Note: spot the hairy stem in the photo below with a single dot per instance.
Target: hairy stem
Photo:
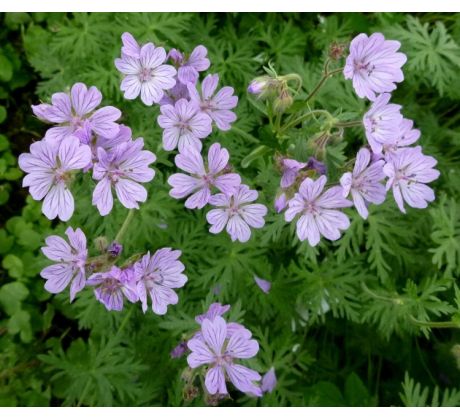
(326, 75)
(124, 226)
(347, 124)
(435, 324)
(304, 117)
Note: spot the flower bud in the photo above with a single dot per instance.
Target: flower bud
(115, 249)
(336, 50)
(316, 165)
(258, 85)
(179, 350)
(269, 381)
(101, 244)
(283, 102)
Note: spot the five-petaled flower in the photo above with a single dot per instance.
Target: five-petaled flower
(374, 65)
(71, 112)
(184, 125)
(236, 213)
(408, 171)
(217, 106)
(122, 168)
(318, 214)
(158, 275)
(71, 260)
(216, 349)
(188, 68)
(145, 74)
(201, 180)
(364, 182)
(49, 167)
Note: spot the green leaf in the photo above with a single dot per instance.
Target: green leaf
(4, 143)
(14, 265)
(11, 296)
(6, 70)
(2, 114)
(20, 323)
(356, 392)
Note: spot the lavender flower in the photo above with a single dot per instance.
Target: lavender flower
(115, 249)
(183, 124)
(72, 111)
(316, 165)
(259, 85)
(281, 202)
(264, 285)
(217, 106)
(122, 169)
(364, 183)
(71, 259)
(178, 91)
(49, 169)
(382, 122)
(374, 65)
(112, 286)
(179, 350)
(316, 207)
(406, 136)
(269, 381)
(145, 74)
(201, 181)
(189, 68)
(291, 169)
(157, 276)
(408, 171)
(235, 213)
(213, 349)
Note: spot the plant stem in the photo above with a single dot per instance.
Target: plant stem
(124, 226)
(434, 324)
(84, 392)
(347, 124)
(304, 117)
(247, 136)
(326, 75)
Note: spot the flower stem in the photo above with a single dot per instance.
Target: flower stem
(124, 226)
(434, 324)
(304, 117)
(347, 124)
(326, 75)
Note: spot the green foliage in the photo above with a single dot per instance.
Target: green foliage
(342, 322)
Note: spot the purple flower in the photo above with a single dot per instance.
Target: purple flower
(115, 249)
(157, 276)
(235, 213)
(146, 74)
(281, 202)
(183, 124)
(374, 65)
(112, 286)
(189, 68)
(382, 122)
(316, 165)
(269, 381)
(71, 259)
(364, 182)
(406, 136)
(201, 181)
(264, 285)
(49, 169)
(217, 106)
(130, 47)
(178, 91)
(123, 169)
(259, 85)
(214, 350)
(291, 169)
(179, 350)
(72, 111)
(408, 171)
(215, 309)
(316, 207)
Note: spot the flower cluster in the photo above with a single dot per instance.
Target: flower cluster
(219, 345)
(374, 65)
(87, 140)
(152, 275)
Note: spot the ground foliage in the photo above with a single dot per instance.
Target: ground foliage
(391, 282)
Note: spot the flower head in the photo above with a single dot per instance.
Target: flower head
(269, 381)
(215, 309)
(201, 180)
(218, 105)
(112, 285)
(189, 67)
(71, 259)
(406, 135)
(157, 276)
(317, 210)
(184, 124)
(123, 169)
(291, 169)
(364, 182)
(408, 171)
(382, 122)
(145, 74)
(49, 167)
(236, 213)
(71, 112)
(213, 348)
(374, 65)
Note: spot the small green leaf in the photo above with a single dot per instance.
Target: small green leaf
(6, 69)
(11, 296)
(4, 143)
(2, 112)
(20, 323)
(14, 265)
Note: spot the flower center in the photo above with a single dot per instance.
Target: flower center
(153, 278)
(145, 75)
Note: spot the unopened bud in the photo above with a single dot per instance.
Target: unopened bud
(316, 165)
(337, 50)
(258, 85)
(115, 249)
(101, 244)
(179, 350)
(190, 393)
(283, 102)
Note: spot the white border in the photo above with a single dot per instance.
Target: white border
(230, 5)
